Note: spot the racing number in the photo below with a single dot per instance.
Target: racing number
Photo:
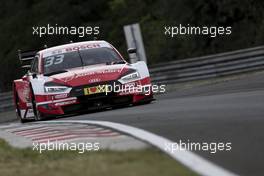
(54, 60)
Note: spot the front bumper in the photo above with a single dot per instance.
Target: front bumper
(77, 101)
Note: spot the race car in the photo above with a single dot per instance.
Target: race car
(78, 77)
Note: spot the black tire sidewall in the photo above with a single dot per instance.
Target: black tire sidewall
(18, 111)
(37, 114)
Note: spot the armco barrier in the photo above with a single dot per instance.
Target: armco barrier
(212, 66)
(6, 101)
(218, 65)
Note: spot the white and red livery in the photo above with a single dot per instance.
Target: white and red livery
(76, 77)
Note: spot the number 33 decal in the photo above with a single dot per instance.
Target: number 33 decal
(54, 60)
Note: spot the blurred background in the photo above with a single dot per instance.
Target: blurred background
(18, 17)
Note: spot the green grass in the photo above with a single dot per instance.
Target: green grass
(148, 162)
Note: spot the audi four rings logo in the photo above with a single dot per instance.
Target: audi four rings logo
(94, 80)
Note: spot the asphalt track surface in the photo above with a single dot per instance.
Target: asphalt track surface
(225, 112)
(232, 111)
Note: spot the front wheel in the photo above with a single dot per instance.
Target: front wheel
(37, 115)
(18, 110)
(148, 100)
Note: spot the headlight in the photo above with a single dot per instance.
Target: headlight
(130, 77)
(56, 88)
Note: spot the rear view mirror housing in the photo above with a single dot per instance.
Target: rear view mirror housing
(132, 50)
(26, 67)
(133, 55)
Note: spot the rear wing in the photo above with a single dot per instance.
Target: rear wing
(26, 57)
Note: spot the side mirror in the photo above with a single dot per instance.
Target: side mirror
(132, 50)
(26, 67)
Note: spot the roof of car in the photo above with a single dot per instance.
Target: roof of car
(74, 46)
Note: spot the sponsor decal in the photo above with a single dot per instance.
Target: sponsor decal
(96, 90)
(98, 72)
(65, 103)
(83, 47)
(75, 48)
(79, 75)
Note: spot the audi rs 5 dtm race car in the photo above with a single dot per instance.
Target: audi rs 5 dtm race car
(78, 77)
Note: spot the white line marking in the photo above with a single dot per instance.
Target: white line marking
(21, 127)
(30, 130)
(54, 137)
(11, 125)
(187, 158)
(41, 134)
(61, 138)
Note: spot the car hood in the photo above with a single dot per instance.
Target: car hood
(91, 74)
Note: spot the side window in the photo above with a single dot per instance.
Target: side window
(34, 65)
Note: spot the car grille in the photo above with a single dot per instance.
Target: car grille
(95, 101)
(79, 90)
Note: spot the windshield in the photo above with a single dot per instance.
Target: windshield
(79, 58)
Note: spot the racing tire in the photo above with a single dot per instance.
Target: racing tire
(37, 115)
(18, 111)
(145, 101)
